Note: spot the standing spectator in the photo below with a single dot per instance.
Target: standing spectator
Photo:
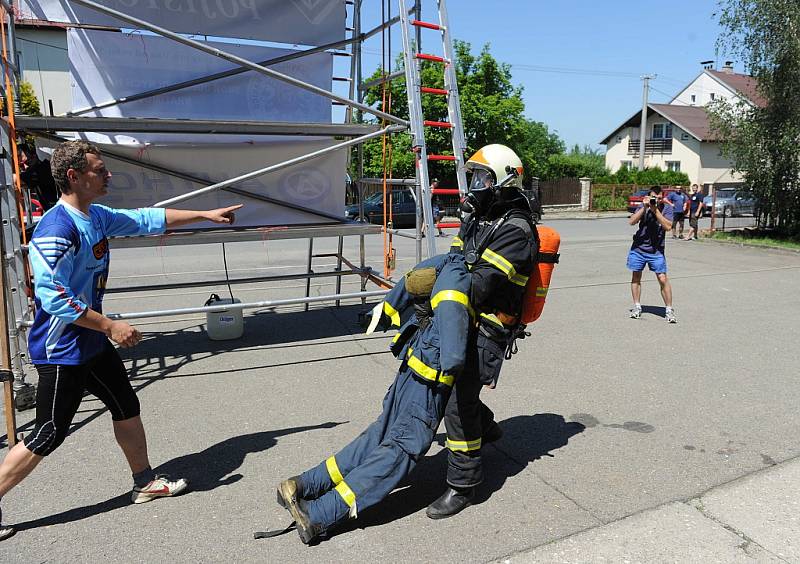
(679, 202)
(695, 211)
(38, 178)
(70, 340)
(654, 219)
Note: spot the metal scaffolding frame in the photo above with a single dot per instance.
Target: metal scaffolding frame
(329, 226)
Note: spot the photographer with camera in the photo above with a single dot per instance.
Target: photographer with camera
(654, 220)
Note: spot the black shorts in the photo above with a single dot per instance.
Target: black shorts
(60, 391)
(693, 219)
(678, 218)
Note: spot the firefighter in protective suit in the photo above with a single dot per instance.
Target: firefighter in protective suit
(499, 242)
(432, 346)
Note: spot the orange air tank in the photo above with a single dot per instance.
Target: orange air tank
(539, 282)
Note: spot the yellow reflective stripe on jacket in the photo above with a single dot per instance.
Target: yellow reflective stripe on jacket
(428, 372)
(396, 338)
(457, 242)
(452, 296)
(541, 292)
(500, 262)
(391, 312)
(347, 494)
(519, 279)
(492, 318)
(463, 446)
(333, 471)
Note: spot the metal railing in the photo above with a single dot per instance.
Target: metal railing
(651, 146)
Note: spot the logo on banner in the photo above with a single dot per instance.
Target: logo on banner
(316, 10)
(271, 99)
(305, 186)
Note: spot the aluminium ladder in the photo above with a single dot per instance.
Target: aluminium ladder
(414, 88)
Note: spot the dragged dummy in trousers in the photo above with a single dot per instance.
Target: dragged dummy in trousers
(432, 347)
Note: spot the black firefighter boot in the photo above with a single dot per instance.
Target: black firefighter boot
(453, 501)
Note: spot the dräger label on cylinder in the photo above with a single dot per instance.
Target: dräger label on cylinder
(226, 319)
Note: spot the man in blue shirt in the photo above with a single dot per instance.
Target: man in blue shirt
(695, 211)
(654, 219)
(678, 200)
(69, 341)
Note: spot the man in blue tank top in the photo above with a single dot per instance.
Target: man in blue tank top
(70, 341)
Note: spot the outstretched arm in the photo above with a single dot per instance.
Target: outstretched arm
(177, 218)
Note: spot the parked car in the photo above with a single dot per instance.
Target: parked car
(635, 199)
(731, 202)
(404, 209)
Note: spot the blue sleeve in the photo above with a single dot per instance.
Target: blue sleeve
(668, 212)
(452, 310)
(52, 257)
(142, 221)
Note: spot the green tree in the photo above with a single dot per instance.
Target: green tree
(492, 112)
(763, 140)
(28, 102)
(579, 162)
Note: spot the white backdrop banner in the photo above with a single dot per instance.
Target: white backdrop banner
(107, 66)
(317, 184)
(304, 22)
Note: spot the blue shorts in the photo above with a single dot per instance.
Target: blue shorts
(656, 261)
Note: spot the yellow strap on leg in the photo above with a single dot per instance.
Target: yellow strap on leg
(333, 471)
(347, 494)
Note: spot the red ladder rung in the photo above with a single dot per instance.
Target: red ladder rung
(448, 225)
(439, 91)
(429, 123)
(446, 191)
(428, 25)
(441, 157)
(434, 58)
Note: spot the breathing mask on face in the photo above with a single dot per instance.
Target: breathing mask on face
(481, 194)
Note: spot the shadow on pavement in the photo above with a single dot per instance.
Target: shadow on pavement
(658, 311)
(526, 438)
(205, 470)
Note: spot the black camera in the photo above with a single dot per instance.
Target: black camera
(653, 200)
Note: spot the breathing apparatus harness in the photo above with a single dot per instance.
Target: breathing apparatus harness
(473, 208)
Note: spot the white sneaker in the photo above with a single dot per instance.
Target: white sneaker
(670, 316)
(6, 531)
(636, 312)
(162, 486)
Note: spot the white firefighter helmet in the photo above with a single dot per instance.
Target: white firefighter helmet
(494, 158)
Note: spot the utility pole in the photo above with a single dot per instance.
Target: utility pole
(643, 127)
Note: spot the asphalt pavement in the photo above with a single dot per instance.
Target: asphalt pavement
(625, 440)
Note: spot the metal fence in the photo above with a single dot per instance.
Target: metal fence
(610, 197)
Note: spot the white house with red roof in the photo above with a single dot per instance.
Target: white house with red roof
(679, 135)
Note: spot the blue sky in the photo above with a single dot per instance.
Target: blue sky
(580, 61)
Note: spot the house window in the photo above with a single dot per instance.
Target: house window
(674, 166)
(662, 131)
(713, 96)
(694, 98)
(626, 164)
